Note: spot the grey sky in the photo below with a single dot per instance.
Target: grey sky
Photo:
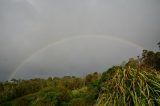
(40, 38)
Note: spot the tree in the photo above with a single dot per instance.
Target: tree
(1, 87)
(133, 63)
(158, 44)
(151, 59)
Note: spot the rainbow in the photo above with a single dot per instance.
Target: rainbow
(62, 41)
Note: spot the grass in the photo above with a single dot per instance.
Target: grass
(130, 87)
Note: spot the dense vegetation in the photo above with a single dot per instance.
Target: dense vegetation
(136, 83)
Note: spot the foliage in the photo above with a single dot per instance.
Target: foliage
(137, 83)
(130, 87)
(151, 59)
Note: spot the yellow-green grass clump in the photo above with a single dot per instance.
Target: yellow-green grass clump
(127, 86)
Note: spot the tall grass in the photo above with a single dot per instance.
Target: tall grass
(130, 87)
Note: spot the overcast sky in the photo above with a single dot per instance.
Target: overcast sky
(41, 38)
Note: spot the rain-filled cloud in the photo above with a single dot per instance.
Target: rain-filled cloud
(39, 38)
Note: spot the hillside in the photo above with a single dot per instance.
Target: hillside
(136, 83)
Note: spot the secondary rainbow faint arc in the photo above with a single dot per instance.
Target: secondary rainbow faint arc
(69, 39)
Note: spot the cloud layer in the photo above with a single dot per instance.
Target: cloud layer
(29, 25)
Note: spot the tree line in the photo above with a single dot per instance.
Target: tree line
(137, 82)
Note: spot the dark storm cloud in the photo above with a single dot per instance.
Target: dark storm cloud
(26, 26)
